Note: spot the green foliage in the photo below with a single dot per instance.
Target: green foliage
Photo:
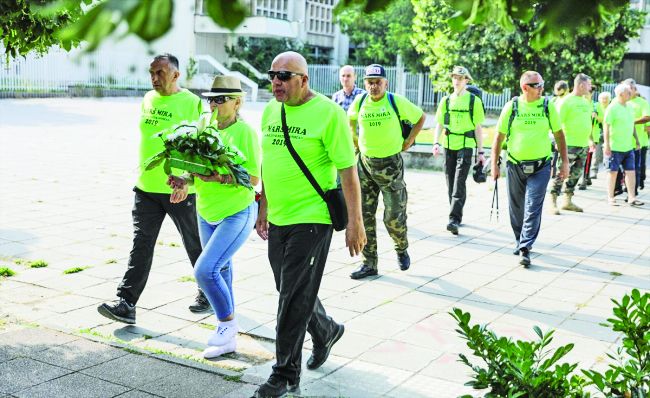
(7, 272)
(259, 52)
(38, 264)
(497, 55)
(629, 375)
(30, 25)
(381, 36)
(518, 368)
(187, 278)
(74, 270)
(192, 69)
(198, 148)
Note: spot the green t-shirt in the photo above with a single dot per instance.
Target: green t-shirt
(575, 116)
(620, 119)
(380, 134)
(556, 101)
(158, 113)
(216, 201)
(459, 120)
(320, 133)
(529, 137)
(641, 109)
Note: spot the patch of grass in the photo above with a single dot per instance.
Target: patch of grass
(187, 278)
(113, 235)
(614, 273)
(174, 244)
(74, 270)
(111, 261)
(236, 379)
(6, 271)
(160, 242)
(207, 326)
(147, 337)
(38, 264)
(20, 261)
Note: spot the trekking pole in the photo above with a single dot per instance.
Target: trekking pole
(495, 200)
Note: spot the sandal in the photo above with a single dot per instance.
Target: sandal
(612, 202)
(636, 202)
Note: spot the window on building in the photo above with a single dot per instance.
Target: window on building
(278, 9)
(319, 17)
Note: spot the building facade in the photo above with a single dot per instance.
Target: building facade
(636, 63)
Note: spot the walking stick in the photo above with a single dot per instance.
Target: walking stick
(587, 165)
(495, 200)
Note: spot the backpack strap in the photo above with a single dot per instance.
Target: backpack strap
(363, 98)
(447, 119)
(472, 99)
(391, 100)
(513, 115)
(547, 114)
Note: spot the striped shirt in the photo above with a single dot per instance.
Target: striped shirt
(345, 100)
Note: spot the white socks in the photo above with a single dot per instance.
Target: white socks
(224, 334)
(217, 351)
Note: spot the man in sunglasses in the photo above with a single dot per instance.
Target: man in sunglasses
(164, 106)
(575, 116)
(379, 115)
(294, 217)
(524, 124)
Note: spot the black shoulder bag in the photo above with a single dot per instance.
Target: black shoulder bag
(333, 198)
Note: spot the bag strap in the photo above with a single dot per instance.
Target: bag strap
(547, 114)
(513, 115)
(296, 157)
(472, 99)
(363, 98)
(391, 100)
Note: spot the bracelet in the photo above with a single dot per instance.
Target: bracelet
(481, 152)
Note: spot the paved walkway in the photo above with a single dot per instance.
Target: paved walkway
(68, 166)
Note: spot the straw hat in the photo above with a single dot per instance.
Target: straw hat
(225, 85)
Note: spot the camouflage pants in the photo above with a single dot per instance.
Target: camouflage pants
(385, 176)
(577, 156)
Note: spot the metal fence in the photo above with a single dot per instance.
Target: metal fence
(70, 72)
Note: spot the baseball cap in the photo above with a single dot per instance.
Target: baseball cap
(461, 71)
(374, 71)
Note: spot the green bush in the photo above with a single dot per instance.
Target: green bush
(38, 264)
(5, 271)
(74, 270)
(518, 369)
(629, 375)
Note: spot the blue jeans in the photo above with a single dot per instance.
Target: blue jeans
(213, 269)
(526, 197)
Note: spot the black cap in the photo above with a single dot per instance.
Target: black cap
(374, 71)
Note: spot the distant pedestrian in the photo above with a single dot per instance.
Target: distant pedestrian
(620, 142)
(346, 95)
(459, 116)
(226, 212)
(163, 107)
(575, 117)
(604, 99)
(524, 125)
(378, 116)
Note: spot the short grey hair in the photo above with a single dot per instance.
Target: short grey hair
(603, 95)
(621, 88)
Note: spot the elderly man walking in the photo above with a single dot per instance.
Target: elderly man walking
(163, 107)
(524, 124)
(380, 115)
(619, 143)
(294, 217)
(346, 95)
(575, 117)
(459, 115)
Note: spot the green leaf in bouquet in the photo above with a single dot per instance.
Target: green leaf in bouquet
(154, 161)
(167, 167)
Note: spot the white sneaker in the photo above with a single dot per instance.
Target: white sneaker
(217, 351)
(225, 332)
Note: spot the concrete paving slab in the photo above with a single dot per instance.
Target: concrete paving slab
(74, 385)
(21, 373)
(131, 370)
(189, 383)
(80, 354)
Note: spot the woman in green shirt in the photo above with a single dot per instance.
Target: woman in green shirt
(226, 213)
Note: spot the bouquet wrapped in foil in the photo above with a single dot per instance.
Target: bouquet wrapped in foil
(198, 148)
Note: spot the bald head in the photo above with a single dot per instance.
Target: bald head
(290, 61)
(347, 76)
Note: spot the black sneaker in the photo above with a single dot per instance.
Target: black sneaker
(453, 227)
(201, 304)
(582, 187)
(276, 386)
(363, 271)
(319, 354)
(120, 311)
(404, 261)
(525, 257)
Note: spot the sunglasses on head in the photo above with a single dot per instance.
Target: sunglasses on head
(535, 85)
(220, 99)
(283, 75)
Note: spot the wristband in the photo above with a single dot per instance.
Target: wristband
(481, 152)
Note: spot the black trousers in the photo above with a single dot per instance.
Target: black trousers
(149, 211)
(644, 157)
(297, 254)
(457, 165)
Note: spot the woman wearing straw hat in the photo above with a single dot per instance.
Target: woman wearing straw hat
(226, 213)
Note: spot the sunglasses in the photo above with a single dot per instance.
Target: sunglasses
(283, 75)
(535, 85)
(220, 99)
